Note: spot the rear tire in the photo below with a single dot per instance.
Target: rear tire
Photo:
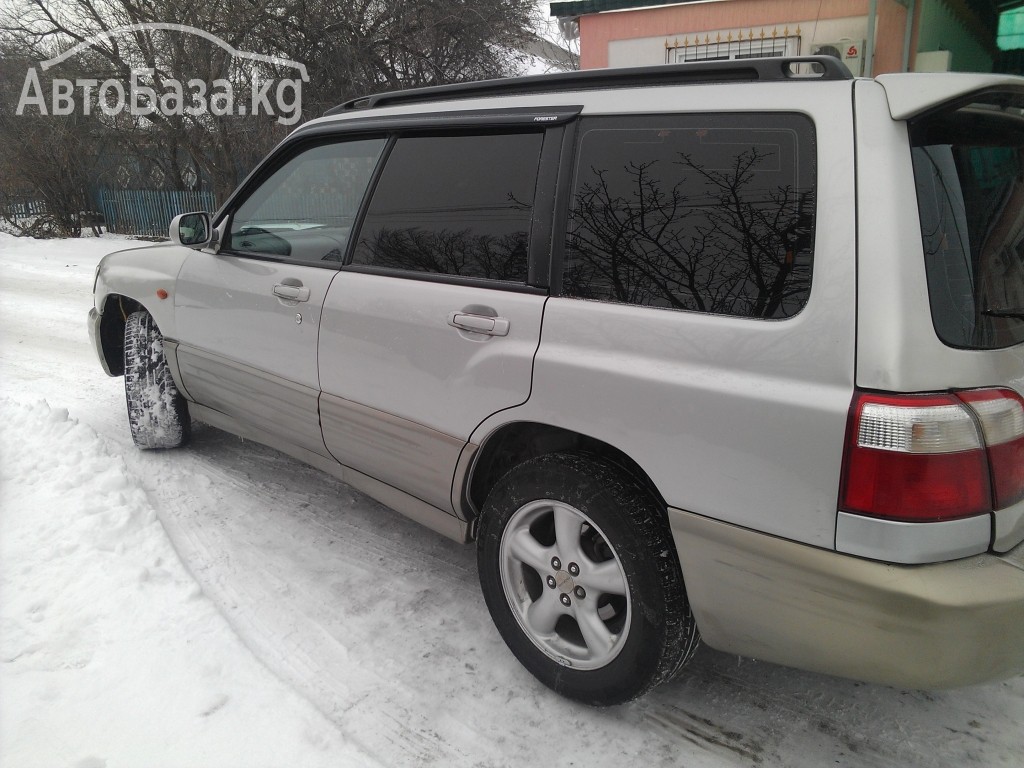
(582, 580)
(157, 413)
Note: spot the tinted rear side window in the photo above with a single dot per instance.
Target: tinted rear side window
(707, 213)
(454, 205)
(969, 169)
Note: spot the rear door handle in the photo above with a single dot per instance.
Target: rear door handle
(291, 292)
(492, 326)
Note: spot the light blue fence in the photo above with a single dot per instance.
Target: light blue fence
(149, 211)
(25, 208)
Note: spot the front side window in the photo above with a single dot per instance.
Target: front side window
(305, 210)
(456, 205)
(706, 213)
(969, 169)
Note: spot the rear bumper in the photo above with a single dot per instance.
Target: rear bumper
(919, 626)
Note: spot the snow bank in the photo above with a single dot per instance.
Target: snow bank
(110, 655)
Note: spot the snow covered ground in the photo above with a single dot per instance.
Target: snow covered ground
(226, 606)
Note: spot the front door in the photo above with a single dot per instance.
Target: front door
(248, 317)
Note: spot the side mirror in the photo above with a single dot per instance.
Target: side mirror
(191, 230)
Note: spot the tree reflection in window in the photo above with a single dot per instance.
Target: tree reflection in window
(451, 252)
(458, 205)
(694, 220)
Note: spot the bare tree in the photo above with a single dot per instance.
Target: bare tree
(216, 145)
(366, 46)
(348, 49)
(45, 160)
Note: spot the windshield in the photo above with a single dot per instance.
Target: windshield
(969, 169)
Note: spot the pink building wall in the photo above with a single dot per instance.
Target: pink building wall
(599, 29)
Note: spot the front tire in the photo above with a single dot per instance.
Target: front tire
(582, 580)
(157, 412)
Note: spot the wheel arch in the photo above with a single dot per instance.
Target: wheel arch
(519, 441)
(114, 314)
(129, 280)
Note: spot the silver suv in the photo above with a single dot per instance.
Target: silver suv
(730, 351)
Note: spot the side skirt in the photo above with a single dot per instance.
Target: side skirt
(425, 514)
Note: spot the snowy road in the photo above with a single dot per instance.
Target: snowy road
(325, 629)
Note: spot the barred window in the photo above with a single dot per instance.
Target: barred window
(725, 46)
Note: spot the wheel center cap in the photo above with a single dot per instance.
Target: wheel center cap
(564, 582)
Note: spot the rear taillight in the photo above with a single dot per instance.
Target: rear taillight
(1001, 415)
(933, 457)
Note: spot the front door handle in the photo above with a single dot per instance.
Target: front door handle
(492, 326)
(291, 292)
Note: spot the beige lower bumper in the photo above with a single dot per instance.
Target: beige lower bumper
(923, 626)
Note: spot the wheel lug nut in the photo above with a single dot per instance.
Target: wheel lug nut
(556, 563)
(566, 601)
(580, 593)
(574, 570)
(551, 581)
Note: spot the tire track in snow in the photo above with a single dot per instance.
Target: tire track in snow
(249, 556)
(773, 715)
(109, 651)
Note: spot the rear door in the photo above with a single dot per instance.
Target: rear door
(434, 324)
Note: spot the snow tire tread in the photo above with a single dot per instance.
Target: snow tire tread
(157, 413)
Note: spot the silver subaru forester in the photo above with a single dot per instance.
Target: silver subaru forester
(729, 351)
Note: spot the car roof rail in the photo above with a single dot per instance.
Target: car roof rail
(737, 70)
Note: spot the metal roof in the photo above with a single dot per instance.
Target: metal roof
(583, 7)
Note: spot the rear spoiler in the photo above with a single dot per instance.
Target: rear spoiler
(914, 94)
